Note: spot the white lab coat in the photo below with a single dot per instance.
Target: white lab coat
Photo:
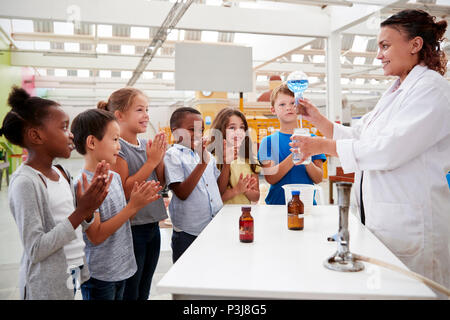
(403, 147)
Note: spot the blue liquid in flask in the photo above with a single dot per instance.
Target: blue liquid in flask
(297, 82)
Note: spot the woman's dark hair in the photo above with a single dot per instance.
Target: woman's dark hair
(91, 122)
(220, 123)
(26, 111)
(179, 114)
(418, 23)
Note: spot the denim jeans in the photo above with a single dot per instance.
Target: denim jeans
(180, 242)
(147, 245)
(95, 289)
(75, 273)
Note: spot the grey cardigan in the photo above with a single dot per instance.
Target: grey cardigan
(43, 268)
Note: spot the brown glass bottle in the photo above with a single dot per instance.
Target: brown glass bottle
(295, 212)
(246, 225)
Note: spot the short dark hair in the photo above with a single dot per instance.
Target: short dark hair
(26, 111)
(92, 122)
(179, 114)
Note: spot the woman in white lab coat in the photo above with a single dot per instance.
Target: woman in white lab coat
(400, 151)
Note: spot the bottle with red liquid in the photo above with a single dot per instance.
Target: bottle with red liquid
(246, 225)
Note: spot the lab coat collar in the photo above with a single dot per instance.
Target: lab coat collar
(412, 77)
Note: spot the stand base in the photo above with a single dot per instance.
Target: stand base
(337, 264)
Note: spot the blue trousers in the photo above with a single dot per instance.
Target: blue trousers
(147, 245)
(95, 289)
(180, 242)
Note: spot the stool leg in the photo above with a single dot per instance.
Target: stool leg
(331, 192)
(1, 178)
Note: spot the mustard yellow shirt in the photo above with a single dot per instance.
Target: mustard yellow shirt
(237, 167)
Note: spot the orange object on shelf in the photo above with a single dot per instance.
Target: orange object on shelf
(340, 177)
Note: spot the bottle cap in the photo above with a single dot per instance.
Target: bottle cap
(246, 208)
(295, 193)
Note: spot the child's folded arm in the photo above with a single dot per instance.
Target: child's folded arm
(121, 167)
(274, 173)
(184, 189)
(315, 171)
(100, 231)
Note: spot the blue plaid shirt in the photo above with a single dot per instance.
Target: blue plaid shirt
(193, 214)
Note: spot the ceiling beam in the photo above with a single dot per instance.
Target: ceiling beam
(65, 60)
(293, 22)
(343, 18)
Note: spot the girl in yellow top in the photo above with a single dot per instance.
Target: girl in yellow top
(231, 126)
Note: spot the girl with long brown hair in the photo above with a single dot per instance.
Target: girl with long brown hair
(231, 126)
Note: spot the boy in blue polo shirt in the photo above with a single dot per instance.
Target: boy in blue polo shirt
(192, 175)
(274, 151)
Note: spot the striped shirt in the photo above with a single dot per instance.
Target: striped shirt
(113, 259)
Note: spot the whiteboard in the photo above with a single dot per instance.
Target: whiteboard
(213, 67)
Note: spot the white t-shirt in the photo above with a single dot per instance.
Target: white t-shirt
(61, 206)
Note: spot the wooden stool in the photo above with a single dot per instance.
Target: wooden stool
(340, 176)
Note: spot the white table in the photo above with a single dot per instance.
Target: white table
(282, 263)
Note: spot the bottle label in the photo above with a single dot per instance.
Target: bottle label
(246, 231)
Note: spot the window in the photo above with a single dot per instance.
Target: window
(42, 45)
(83, 73)
(359, 60)
(19, 25)
(72, 46)
(126, 74)
(210, 36)
(63, 28)
(60, 73)
(104, 74)
(102, 48)
(139, 32)
(104, 30)
(127, 49)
